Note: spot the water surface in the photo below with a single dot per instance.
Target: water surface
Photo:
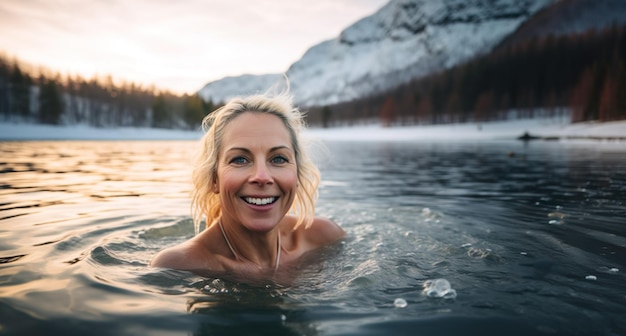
(530, 237)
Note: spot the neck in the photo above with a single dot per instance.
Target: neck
(261, 249)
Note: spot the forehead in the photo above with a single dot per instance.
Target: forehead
(255, 128)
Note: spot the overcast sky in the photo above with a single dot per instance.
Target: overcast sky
(176, 45)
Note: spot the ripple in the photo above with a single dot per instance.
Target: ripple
(6, 260)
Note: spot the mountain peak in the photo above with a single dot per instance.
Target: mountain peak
(404, 40)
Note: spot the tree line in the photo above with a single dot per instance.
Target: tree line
(45, 97)
(580, 74)
(583, 75)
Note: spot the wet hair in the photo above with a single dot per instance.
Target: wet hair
(205, 202)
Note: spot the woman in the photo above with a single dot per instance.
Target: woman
(250, 173)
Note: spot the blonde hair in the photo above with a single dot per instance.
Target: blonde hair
(205, 202)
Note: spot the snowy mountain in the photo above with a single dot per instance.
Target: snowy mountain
(404, 40)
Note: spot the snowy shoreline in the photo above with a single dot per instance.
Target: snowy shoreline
(547, 129)
(541, 129)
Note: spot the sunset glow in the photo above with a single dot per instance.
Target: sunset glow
(178, 46)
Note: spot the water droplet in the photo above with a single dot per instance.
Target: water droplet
(400, 303)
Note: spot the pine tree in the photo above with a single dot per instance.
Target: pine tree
(193, 111)
(20, 83)
(160, 113)
(51, 104)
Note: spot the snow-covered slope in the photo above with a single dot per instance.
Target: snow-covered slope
(405, 39)
(228, 87)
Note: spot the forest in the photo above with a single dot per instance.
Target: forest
(582, 75)
(41, 96)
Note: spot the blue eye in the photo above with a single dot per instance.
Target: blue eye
(279, 160)
(239, 160)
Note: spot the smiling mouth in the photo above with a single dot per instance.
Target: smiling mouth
(260, 200)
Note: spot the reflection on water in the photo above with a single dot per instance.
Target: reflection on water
(530, 238)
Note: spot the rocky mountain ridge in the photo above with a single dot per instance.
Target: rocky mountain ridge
(408, 39)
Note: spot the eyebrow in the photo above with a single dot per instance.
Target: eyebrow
(243, 149)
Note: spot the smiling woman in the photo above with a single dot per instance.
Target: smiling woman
(250, 173)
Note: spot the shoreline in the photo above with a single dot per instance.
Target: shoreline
(546, 129)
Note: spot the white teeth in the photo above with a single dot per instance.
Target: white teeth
(260, 201)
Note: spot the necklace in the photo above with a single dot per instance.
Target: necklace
(230, 246)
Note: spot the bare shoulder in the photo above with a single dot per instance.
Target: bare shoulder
(324, 231)
(186, 256)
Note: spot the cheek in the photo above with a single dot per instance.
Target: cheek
(228, 180)
(290, 179)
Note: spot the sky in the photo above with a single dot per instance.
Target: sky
(174, 45)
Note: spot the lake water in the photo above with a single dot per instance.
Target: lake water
(530, 237)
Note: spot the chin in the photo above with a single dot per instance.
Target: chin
(261, 225)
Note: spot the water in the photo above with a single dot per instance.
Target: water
(444, 239)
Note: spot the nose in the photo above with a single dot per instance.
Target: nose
(261, 174)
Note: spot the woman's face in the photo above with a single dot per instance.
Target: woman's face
(257, 173)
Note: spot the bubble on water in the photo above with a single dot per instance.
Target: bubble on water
(524, 253)
(283, 317)
(591, 277)
(426, 212)
(439, 288)
(605, 269)
(400, 303)
(216, 286)
(466, 245)
(556, 214)
(408, 233)
(554, 222)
